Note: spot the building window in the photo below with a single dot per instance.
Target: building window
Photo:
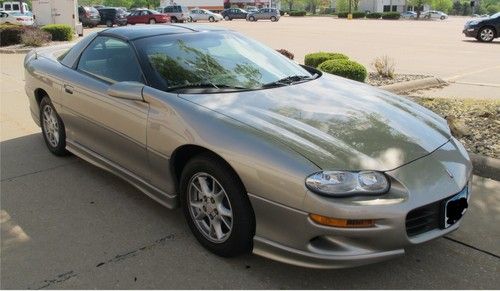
(387, 8)
(394, 8)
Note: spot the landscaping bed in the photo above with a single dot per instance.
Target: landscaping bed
(375, 79)
(476, 123)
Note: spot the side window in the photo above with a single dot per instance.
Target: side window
(8, 7)
(111, 60)
(15, 7)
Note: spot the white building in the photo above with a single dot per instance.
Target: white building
(383, 6)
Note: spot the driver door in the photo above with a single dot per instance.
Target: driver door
(104, 126)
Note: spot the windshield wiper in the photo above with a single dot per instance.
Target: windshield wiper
(204, 85)
(290, 80)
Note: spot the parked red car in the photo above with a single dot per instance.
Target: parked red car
(147, 16)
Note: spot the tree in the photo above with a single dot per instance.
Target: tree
(90, 2)
(419, 4)
(442, 5)
(342, 6)
(118, 3)
(290, 3)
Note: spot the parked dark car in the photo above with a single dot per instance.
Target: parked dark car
(234, 13)
(483, 29)
(111, 16)
(177, 13)
(147, 16)
(89, 16)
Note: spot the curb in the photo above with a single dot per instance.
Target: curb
(485, 166)
(414, 85)
(15, 51)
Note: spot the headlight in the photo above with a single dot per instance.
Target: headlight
(473, 22)
(344, 183)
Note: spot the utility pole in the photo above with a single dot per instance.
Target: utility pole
(349, 15)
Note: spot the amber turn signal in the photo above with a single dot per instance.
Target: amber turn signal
(344, 223)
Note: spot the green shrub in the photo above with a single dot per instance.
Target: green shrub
(62, 32)
(297, 13)
(314, 59)
(374, 15)
(391, 15)
(358, 15)
(342, 14)
(35, 37)
(344, 68)
(327, 10)
(10, 34)
(282, 12)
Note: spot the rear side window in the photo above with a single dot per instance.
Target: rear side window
(111, 60)
(8, 7)
(70, 57)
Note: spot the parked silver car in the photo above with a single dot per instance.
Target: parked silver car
(272, 14)
(262, 154)
(204, 14)
(432, 14)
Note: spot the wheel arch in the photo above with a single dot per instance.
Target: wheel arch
(184, 153)
(39, 94)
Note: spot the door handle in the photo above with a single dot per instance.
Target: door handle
(68, 89)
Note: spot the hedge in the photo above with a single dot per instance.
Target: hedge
(391, 15)
(314, 59)
(344, 68)
(355, 14)
(374, 15)
(297, 13)
(10, 34)
(62, 32)
(282, 12)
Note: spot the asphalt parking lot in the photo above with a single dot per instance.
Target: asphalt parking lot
(67, 224)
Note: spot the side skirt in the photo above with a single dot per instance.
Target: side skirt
(165, 199)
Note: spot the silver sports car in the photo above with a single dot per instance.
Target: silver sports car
(262, 154)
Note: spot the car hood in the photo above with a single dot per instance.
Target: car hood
(336, 123)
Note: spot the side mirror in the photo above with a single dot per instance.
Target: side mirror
(127, 90)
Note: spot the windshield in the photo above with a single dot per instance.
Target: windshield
(222, 59)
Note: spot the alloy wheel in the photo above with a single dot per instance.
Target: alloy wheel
(486, 34)
(210, 208)
(50, 126)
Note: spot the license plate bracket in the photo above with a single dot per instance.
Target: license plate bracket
(453, 208)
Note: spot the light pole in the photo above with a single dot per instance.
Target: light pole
(349, 15)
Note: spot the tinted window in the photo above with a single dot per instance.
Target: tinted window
(8, 7)
(111, 60)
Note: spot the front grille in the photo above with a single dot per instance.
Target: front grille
(423, 219)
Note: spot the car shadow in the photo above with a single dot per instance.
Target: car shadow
(495, 41)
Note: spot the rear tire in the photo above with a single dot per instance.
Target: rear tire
(251, 18)
(53, 130)
(211, 19)
(219, 212)
(274, 19)
(109, 23)
(173, 20)
(227, 18)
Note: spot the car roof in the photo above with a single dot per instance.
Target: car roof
(142, 31)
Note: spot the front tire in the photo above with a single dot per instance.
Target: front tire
(274, 19)
(486, 34)
(251, 18)
(227, 18)
(211, 19)
(54, 132)
(217, 207)
(152, 21)
(109, 23)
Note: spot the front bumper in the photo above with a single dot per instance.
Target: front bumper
(289, 235)
(470, 31)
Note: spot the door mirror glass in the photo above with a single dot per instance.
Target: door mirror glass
(126, 90)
